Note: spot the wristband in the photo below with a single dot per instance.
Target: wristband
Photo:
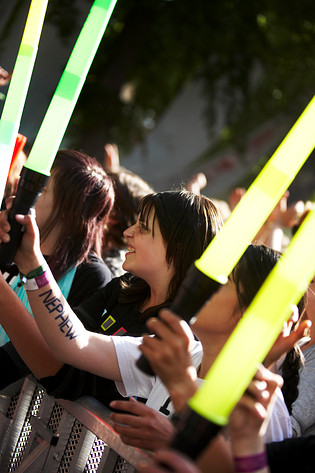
(38, 282)
(250, 463)
(35, 272)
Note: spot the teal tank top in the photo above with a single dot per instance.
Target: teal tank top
(64, 284)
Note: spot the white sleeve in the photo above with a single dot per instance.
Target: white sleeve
(134, 381)
(279, 426)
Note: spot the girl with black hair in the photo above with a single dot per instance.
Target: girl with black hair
(172, 231)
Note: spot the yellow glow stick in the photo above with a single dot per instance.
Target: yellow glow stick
(260, 199)
(20, 80)
(252, 338)
(216, 263)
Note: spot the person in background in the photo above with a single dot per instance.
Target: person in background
(129, 190)
(71, 213)
(174, 357)
(303, 408)
(274, 232)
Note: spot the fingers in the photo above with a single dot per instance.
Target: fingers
(169, 325)
(132, 406)
(294, 337)
(5, 227)
(133, 414)
(260, 390)
(29, 223)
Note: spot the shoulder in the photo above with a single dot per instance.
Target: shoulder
(90, 276)
(94, 266)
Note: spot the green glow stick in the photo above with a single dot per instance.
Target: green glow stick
(36, 171)
(260, 199)
(249, 343)
(20, 80)
(63, 102)
(258, 329)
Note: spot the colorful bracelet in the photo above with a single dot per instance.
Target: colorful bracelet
(35, 272)
(251, 463)
(38, 282)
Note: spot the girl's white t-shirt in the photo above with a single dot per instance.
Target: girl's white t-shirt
(137, 384)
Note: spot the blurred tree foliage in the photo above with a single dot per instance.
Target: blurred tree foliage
(256, 58)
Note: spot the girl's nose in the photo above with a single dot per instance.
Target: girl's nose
(129, 232)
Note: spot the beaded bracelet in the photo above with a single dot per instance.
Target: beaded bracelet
(251, 463)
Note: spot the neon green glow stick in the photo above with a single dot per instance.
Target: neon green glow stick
(63, 102)
(15, 99)
(260, 199)
(258, 329)
(36, 171)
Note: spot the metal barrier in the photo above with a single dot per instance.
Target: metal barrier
(41, 434)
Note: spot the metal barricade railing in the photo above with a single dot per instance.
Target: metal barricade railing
(41, 434)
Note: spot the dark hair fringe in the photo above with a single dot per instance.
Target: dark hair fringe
(188, 222)
(83, 198)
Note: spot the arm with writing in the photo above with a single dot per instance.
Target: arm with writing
(68, 340)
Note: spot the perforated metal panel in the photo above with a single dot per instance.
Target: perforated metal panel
(59, 436)
(17, 455)
(95, 456)
(72, 444)
(12, 405)
(55, 417)
(121, 466)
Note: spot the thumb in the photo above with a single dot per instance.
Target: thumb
(29, 223)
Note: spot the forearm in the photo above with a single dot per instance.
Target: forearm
(250, 450)
(56, 320)
(181, 393)
(24, 334)
(66, 335)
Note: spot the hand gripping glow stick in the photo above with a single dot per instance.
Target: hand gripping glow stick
(249, 343)
(216, 263)
(35, 172)
(20, 80)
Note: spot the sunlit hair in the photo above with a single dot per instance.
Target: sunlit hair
(187, 222)
(252, 270)
(83, 197)
(129, 190)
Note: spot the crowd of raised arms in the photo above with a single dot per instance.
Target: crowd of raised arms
(100, 262)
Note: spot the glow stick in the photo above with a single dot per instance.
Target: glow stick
(36, 170)
(17, 91)
(216, 263)
(66, 95)
(252, 338)
(260, 199)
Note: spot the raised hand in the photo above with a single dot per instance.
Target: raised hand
(169, 356)
(141, 426)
